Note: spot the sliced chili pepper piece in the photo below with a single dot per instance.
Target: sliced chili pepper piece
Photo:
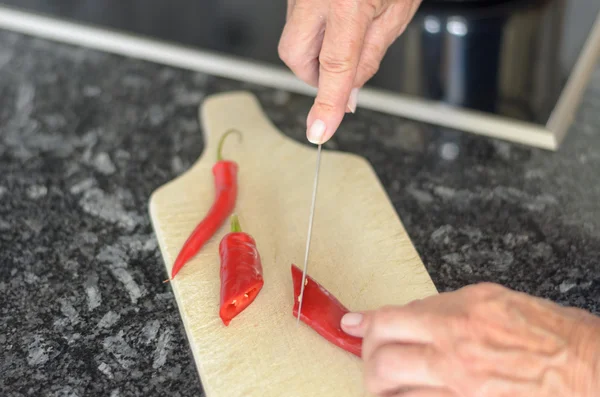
(241, 272)
(323, 312)
(225, 179)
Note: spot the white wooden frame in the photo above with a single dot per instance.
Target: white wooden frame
(548, 136)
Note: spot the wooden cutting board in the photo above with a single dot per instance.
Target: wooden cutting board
(360, 252)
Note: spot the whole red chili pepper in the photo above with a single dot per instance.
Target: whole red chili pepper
(241, 272)
(225, 179)
(323, 313)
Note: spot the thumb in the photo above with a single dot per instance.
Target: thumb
(356, 324)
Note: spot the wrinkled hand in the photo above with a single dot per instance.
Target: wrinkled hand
(336, 46)
(480, 341)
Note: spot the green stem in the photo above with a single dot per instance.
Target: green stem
(235, 224)
(222, 141)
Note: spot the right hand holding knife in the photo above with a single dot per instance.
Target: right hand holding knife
(337, 46)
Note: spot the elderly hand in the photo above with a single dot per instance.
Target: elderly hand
(480, 341)
(337, 45)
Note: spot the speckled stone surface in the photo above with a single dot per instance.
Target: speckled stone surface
(85, 137)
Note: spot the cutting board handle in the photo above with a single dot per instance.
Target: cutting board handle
(242, 111)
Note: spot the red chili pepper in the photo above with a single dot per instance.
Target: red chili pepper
(241, 272)
(225, 179)
(323, 313)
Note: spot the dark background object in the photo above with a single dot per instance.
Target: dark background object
(505, 57)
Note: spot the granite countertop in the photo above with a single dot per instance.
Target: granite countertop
(85, 137)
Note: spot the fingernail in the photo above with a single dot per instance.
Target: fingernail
(352, 319)
(353, 100)
(316, 131)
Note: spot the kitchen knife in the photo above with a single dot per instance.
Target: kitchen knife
(310, 223)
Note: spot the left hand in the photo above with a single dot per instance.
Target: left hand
(480, 341)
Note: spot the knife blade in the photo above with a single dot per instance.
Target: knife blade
(309, 234)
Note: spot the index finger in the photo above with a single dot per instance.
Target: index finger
(410, 323)
(396, 325)
(345, 31)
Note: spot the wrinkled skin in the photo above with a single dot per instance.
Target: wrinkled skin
(337, 46)
(480, 341)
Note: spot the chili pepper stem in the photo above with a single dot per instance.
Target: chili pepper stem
(235, 224)
(222, 141)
